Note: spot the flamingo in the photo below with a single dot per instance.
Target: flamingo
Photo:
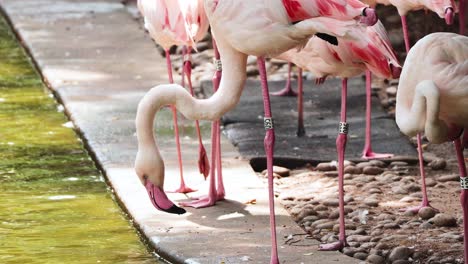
(178, 23)
(370, 52)
(432, 97)
(242, 28)
(443, 8)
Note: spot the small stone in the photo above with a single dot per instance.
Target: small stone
(283, 172)
(427, 212)
(385, 216)
(306, 212)
(399, 164)
(392, 90)
(438, 164)
(375, 190)
(368, 245)
(360, 255)
(446, 178)
(320, 207)
(430, 182)
(349, 251)
(252, 70)
(412, 187)
(399, 190)
(331, 202)
(443, 220)
(370, 201)
(400, 253)
(359, 238)
(426, 225)
(391, 226)
(371, 170)
(325, 166)
(382, 245)
(352, 169)
(358, 231)
(401, 261)
(327, 225)
(375, 259)
(331, 174)
(378, 163)
(363, 164)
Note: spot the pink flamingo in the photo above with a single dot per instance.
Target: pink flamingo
(242, 28)
(443, 8)
(178, 23)
(370, 52)
(432, 97)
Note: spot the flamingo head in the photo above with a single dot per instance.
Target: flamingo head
(449, 14)
(368, 16)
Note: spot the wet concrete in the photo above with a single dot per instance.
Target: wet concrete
(99, 63)
(322, 104)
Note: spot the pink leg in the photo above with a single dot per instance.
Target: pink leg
(340, 147)
(465, 139)
(367, 153)
(287, 91)
(213, 194)
(300, 105)
(404, 26)
(464, 192)
(183, 188)
(269, 143)
(461, 19)
(203, 163)
(209, 200)
(425, 201)
(219, 168)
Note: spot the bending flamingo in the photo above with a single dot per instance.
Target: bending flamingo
(178, 23)
(370, 52)
(242, 28)
(432, 97)
(443, 8)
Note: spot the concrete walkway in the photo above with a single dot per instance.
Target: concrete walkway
(99, 62)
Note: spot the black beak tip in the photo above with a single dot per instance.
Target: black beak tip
(175, 210)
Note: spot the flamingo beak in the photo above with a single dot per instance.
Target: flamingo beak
(396, 71)
(368, 16)
(449, 15)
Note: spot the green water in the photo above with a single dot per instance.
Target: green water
(54, 204)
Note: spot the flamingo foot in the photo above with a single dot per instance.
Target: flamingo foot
(202, 202)
(415, 209)
(338, 245)
(287, 91)
(374, 155)
(183, 189)
(203, 163)
(163, 203)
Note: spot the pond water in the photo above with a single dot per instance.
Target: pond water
(54, 204)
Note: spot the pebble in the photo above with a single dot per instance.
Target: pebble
(430, 182)
(391, 226)
(426, 225)
(412, 187)
(359, 238)
(452, 236)
(325, 166)
(382, 245)
(352, 169)
(358, 231)
(375, 259)
(446, 178)
(401, 261)
(438, 164)
(331, 202)
(385, 216)
(378, 163)
(368, 245)
(331, 174)
(349, 251)
(427, 212)
(371, 201)
(399, 190)
(363, 164)
(320, 207)
(283, 172)
(372, 170)
(400, 253)
(374, 190)
(443, 220)
(399, 164)
(306, 212)
(391, 90)
(327, 225)
(360, 255)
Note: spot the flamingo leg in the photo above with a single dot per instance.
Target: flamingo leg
(341, 147)
(464, 192)
(287, 90)
(214, 194)
(300, 105)
(203, 163)
(465, 140)
(461, 19)
(404, 26)
(182, 188)
(367, 153)
(269, 143)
